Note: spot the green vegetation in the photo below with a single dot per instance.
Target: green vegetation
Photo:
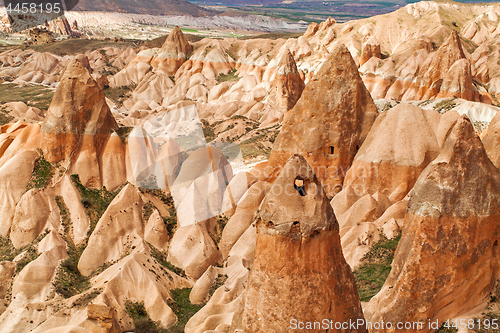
(30, 254)
(118, 94)
(488, 320)
(219, 282)
(252, 148)
(69, 46)
(42, 173)
(188, 30)
(8, 252)
(68, 280)
(208, 130)
(183, 308)
(161, 257)
(447, 330)
(228, 77)
(123, 132)
(445, 105)
(375, 267)
(37, 96)
(5, 118)
(275, 35)
(170, 221)
(142, 322)
(95, 201)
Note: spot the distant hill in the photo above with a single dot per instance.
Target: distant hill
(154, 7)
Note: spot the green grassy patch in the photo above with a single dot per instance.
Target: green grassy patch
(31, 95)
(69, 46)
(445, 105)
(375, 267)
(183, 308)
(5, 118)
(142, 322)
(251, 148)
(95, 201)
(274, 35)
(8, 252)
(219, 282)
(123, 132)
(68, 280)
(228, 77)
(42, 173)
(118, 94)
(161, 257)
(208, 130)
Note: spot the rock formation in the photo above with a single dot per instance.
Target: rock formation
(403, 140)
(288, 84)
(329, 122)
(491, 140)
(173, 53)
(433, 71)
(446, 265)
(78, 123)
(299, 271)
(458, 82)
(371, 48)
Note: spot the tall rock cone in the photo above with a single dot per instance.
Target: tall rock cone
(173, 53)
(299, 272)
(433, 71)
(447, 260)
(458, 81)
(288, 84)
(329, 122)
(371, 48)
(78, 117)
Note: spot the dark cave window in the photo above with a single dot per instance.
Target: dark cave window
(299, 186)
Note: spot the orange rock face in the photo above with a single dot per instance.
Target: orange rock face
(370, 49)
(78, 119)
(288, 84)
(433, 71)
(458, 82)
(448, 257)
(491, 140)
(329, 122)
(392, 156)
(173, 53)
(299, 274)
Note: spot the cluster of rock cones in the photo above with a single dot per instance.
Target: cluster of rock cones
(342, 174)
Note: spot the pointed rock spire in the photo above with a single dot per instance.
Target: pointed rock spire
(78, 112)
(329, 122)
(173, 53)
(288, 84)
(299, 272)
(447, 260)
(436, 67)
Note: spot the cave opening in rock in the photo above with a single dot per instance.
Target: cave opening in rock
(299, 186)
(331, 150)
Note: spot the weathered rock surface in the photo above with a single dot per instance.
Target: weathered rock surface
(371, 48)
(173, 53)
(329, 122)
(14, 177)
(288, 84)
(78, 122)
(299, 271)
(119, 231)
(445, 265)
